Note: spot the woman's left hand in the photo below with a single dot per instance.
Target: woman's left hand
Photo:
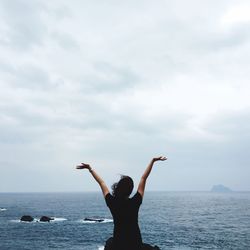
(160, 158)
(83, 166)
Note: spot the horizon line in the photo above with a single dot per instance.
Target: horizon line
(96, 191)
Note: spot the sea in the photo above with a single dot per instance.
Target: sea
(170, 220)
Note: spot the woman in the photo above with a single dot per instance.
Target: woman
(126, 234)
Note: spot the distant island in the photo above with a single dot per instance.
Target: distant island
(221, 189)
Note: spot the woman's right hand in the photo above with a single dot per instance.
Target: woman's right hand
(160, 158)
(83, 166)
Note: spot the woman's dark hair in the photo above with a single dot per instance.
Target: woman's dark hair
(123, 188)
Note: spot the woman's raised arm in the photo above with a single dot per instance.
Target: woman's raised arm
(144, 177)
(98, 179)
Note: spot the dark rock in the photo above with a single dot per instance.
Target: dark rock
(46, 219)
(94, 219)
(27, 218)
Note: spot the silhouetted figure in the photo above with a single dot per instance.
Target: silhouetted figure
(126, 234)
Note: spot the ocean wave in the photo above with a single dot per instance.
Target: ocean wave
(61, 219)
(105, 220)
(16, 221)
(101, 248)
(55, 219)
(58, 219)
(3, 209)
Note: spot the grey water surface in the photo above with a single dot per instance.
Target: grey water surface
(171, 220)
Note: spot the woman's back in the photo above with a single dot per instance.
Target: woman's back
(127, 235)
(125, 214)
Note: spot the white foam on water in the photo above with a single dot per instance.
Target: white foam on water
(58, 219)
(19, 221)
(107, 221)
(38, 220)
(16, 221)
(101, 248)
(3, 209)
(87, 221)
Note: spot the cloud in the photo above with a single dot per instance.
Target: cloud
(236, 14)
(22, 23)
(115, 84)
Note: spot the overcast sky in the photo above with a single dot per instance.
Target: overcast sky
(115, 83)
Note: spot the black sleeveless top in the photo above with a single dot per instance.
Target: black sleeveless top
(126, 233)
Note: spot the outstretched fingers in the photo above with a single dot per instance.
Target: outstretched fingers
(160, 158)
(163, 158)
(83, 166)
